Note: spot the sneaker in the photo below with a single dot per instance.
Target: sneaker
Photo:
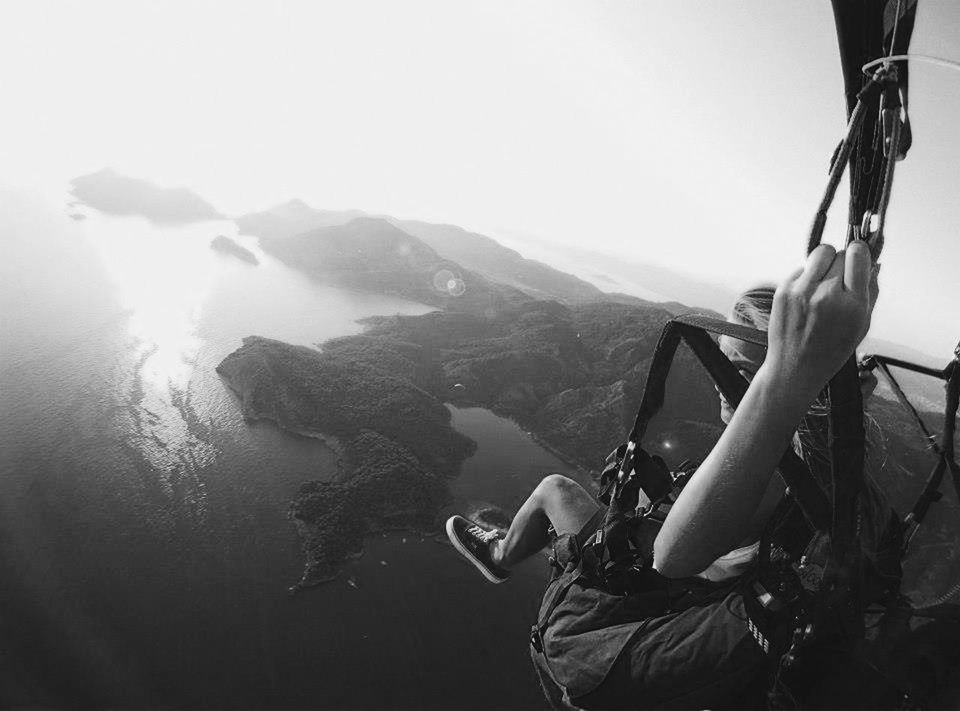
(473, 542)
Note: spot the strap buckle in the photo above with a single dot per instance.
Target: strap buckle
(536, 639)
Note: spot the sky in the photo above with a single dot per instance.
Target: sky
(691, 134)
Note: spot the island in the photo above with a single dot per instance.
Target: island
(116, 194)
(225, 245)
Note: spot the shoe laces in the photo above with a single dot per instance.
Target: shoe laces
(483, 535)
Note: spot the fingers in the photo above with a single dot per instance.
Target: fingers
(874, 285)
(818, 265)
(858, 267)
(835, 272)
(788, 282)
(852, 268)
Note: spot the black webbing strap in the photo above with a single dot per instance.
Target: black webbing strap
(944, 451)
(724, 328)
(693, 328)
(867, 30)
(928, 437)
(872, 361)
(928, 496)
(651, 401)
(931, 489)
(792, 469)
(653, 391)
(732, 385)
(842, 576)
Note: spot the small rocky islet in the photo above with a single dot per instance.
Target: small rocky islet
(225, 245)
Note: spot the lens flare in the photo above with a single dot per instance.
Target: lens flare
(456, 287)
(446, 282)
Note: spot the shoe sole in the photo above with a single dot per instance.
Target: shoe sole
(455, 540)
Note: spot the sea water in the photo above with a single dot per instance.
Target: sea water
(144, 545)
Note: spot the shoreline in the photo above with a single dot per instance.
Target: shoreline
(309, 579)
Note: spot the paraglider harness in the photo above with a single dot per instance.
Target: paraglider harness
(811, 584)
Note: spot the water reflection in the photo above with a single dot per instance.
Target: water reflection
(162, 276)
(187, 307)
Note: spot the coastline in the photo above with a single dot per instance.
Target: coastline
(312, 578)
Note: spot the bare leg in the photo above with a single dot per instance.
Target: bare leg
(557, 500)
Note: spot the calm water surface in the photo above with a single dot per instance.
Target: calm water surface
(144, 545)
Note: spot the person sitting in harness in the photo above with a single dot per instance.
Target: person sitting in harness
(679, 639)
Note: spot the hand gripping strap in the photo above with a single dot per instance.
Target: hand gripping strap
(693, 328)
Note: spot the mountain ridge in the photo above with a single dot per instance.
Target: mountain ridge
(372, 253)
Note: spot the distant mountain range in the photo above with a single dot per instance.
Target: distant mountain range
(652, 282)
(470, 250)
(372, 254)
(292, 218)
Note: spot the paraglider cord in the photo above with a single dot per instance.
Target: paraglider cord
(896, 26)
(939, 61)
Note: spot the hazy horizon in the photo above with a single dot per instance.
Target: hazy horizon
(689, 136)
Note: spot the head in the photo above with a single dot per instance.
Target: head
(753, 308)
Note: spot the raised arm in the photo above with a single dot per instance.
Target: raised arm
(820, 313)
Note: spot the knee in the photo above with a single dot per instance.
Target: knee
(555, 486)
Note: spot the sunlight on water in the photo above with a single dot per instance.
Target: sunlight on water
(183, 307)
(162, 276)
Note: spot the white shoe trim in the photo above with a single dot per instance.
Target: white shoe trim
(462, 549)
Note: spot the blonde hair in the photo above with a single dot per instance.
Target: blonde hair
(753, 308)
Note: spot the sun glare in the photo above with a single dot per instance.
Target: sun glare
(162, 275)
